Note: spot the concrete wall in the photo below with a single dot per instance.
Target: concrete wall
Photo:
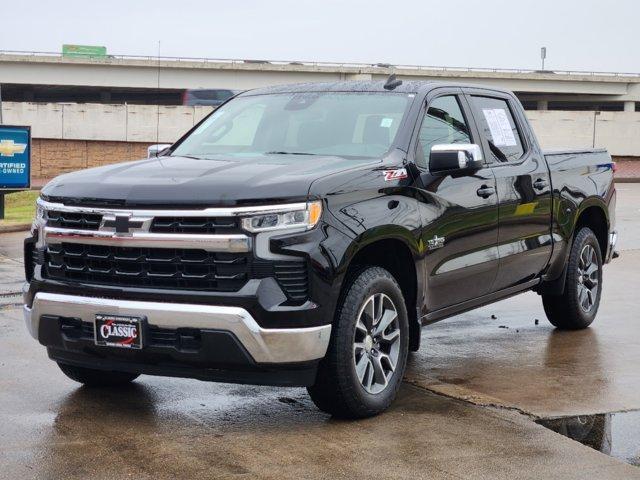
(122, 123)
(619, 132)
(558, 129)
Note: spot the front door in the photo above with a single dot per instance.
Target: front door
(523, 187)
(459, 213)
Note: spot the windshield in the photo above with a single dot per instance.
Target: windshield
(311, 123)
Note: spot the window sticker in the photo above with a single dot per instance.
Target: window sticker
(386, 122)
(501, 132)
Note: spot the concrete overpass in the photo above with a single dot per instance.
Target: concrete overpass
(69, 134)
(536, 89)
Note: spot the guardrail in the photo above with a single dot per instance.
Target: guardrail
(381, 66)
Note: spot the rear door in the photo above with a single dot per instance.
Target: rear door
(523, 186)
(459, 212)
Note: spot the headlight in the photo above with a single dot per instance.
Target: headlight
(302, 217)
(39, 213)
(39, 219)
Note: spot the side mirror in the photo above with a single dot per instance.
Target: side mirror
(455, 158)
(156, 150)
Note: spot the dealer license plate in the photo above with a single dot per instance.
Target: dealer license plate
(118, 331)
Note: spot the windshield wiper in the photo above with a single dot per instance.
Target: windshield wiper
(288, 153)
(192, 157)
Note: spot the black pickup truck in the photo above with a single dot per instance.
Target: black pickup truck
(302, 235)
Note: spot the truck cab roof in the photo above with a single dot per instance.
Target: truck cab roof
(407, 86)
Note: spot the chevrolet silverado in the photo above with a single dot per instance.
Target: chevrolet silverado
(302, 235)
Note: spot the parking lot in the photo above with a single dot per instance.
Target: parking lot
(469, 407)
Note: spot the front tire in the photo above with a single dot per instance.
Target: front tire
(97, 378)
(577, 306)
(362, 371)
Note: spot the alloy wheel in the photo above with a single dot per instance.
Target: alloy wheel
(588, 278)
(376, 347)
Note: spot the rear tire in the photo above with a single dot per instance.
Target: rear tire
(365, 362)
(97, 378)
(577, 306)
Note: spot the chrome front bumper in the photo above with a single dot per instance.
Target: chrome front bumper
(281, 345)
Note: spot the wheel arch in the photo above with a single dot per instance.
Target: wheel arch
(594, 214)
(396, 252)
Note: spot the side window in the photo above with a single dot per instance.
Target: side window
(497, 125)
(443, 123)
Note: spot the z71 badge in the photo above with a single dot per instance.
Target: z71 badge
(397, 174)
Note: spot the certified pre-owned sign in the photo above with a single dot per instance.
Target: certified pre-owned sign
(15, 157)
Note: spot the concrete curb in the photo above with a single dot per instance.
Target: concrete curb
(18, 227)
(464, 394)
(9, 294)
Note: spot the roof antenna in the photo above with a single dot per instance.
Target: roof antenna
(392, 82)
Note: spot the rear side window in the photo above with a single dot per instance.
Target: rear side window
(443, 123)
(497, 125)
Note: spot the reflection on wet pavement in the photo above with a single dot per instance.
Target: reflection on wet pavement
(615, 434)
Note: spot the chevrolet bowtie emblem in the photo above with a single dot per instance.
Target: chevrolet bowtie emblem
(121, 224)
(8, 148)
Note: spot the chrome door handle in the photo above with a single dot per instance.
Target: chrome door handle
(485, 192)
(540, 184)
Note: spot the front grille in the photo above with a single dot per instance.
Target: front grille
(195, 225)
(147, 267)
(74, 220)
(169, 268)
(190, 225)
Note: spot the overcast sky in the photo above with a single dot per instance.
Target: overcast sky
(590, 35)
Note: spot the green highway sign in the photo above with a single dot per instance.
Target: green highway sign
(83, 51)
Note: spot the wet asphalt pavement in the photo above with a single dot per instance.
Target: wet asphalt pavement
(466, 410)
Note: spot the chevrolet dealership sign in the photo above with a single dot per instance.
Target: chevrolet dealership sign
(15, 157)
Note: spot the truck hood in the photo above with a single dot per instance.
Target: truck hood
(219, 181)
